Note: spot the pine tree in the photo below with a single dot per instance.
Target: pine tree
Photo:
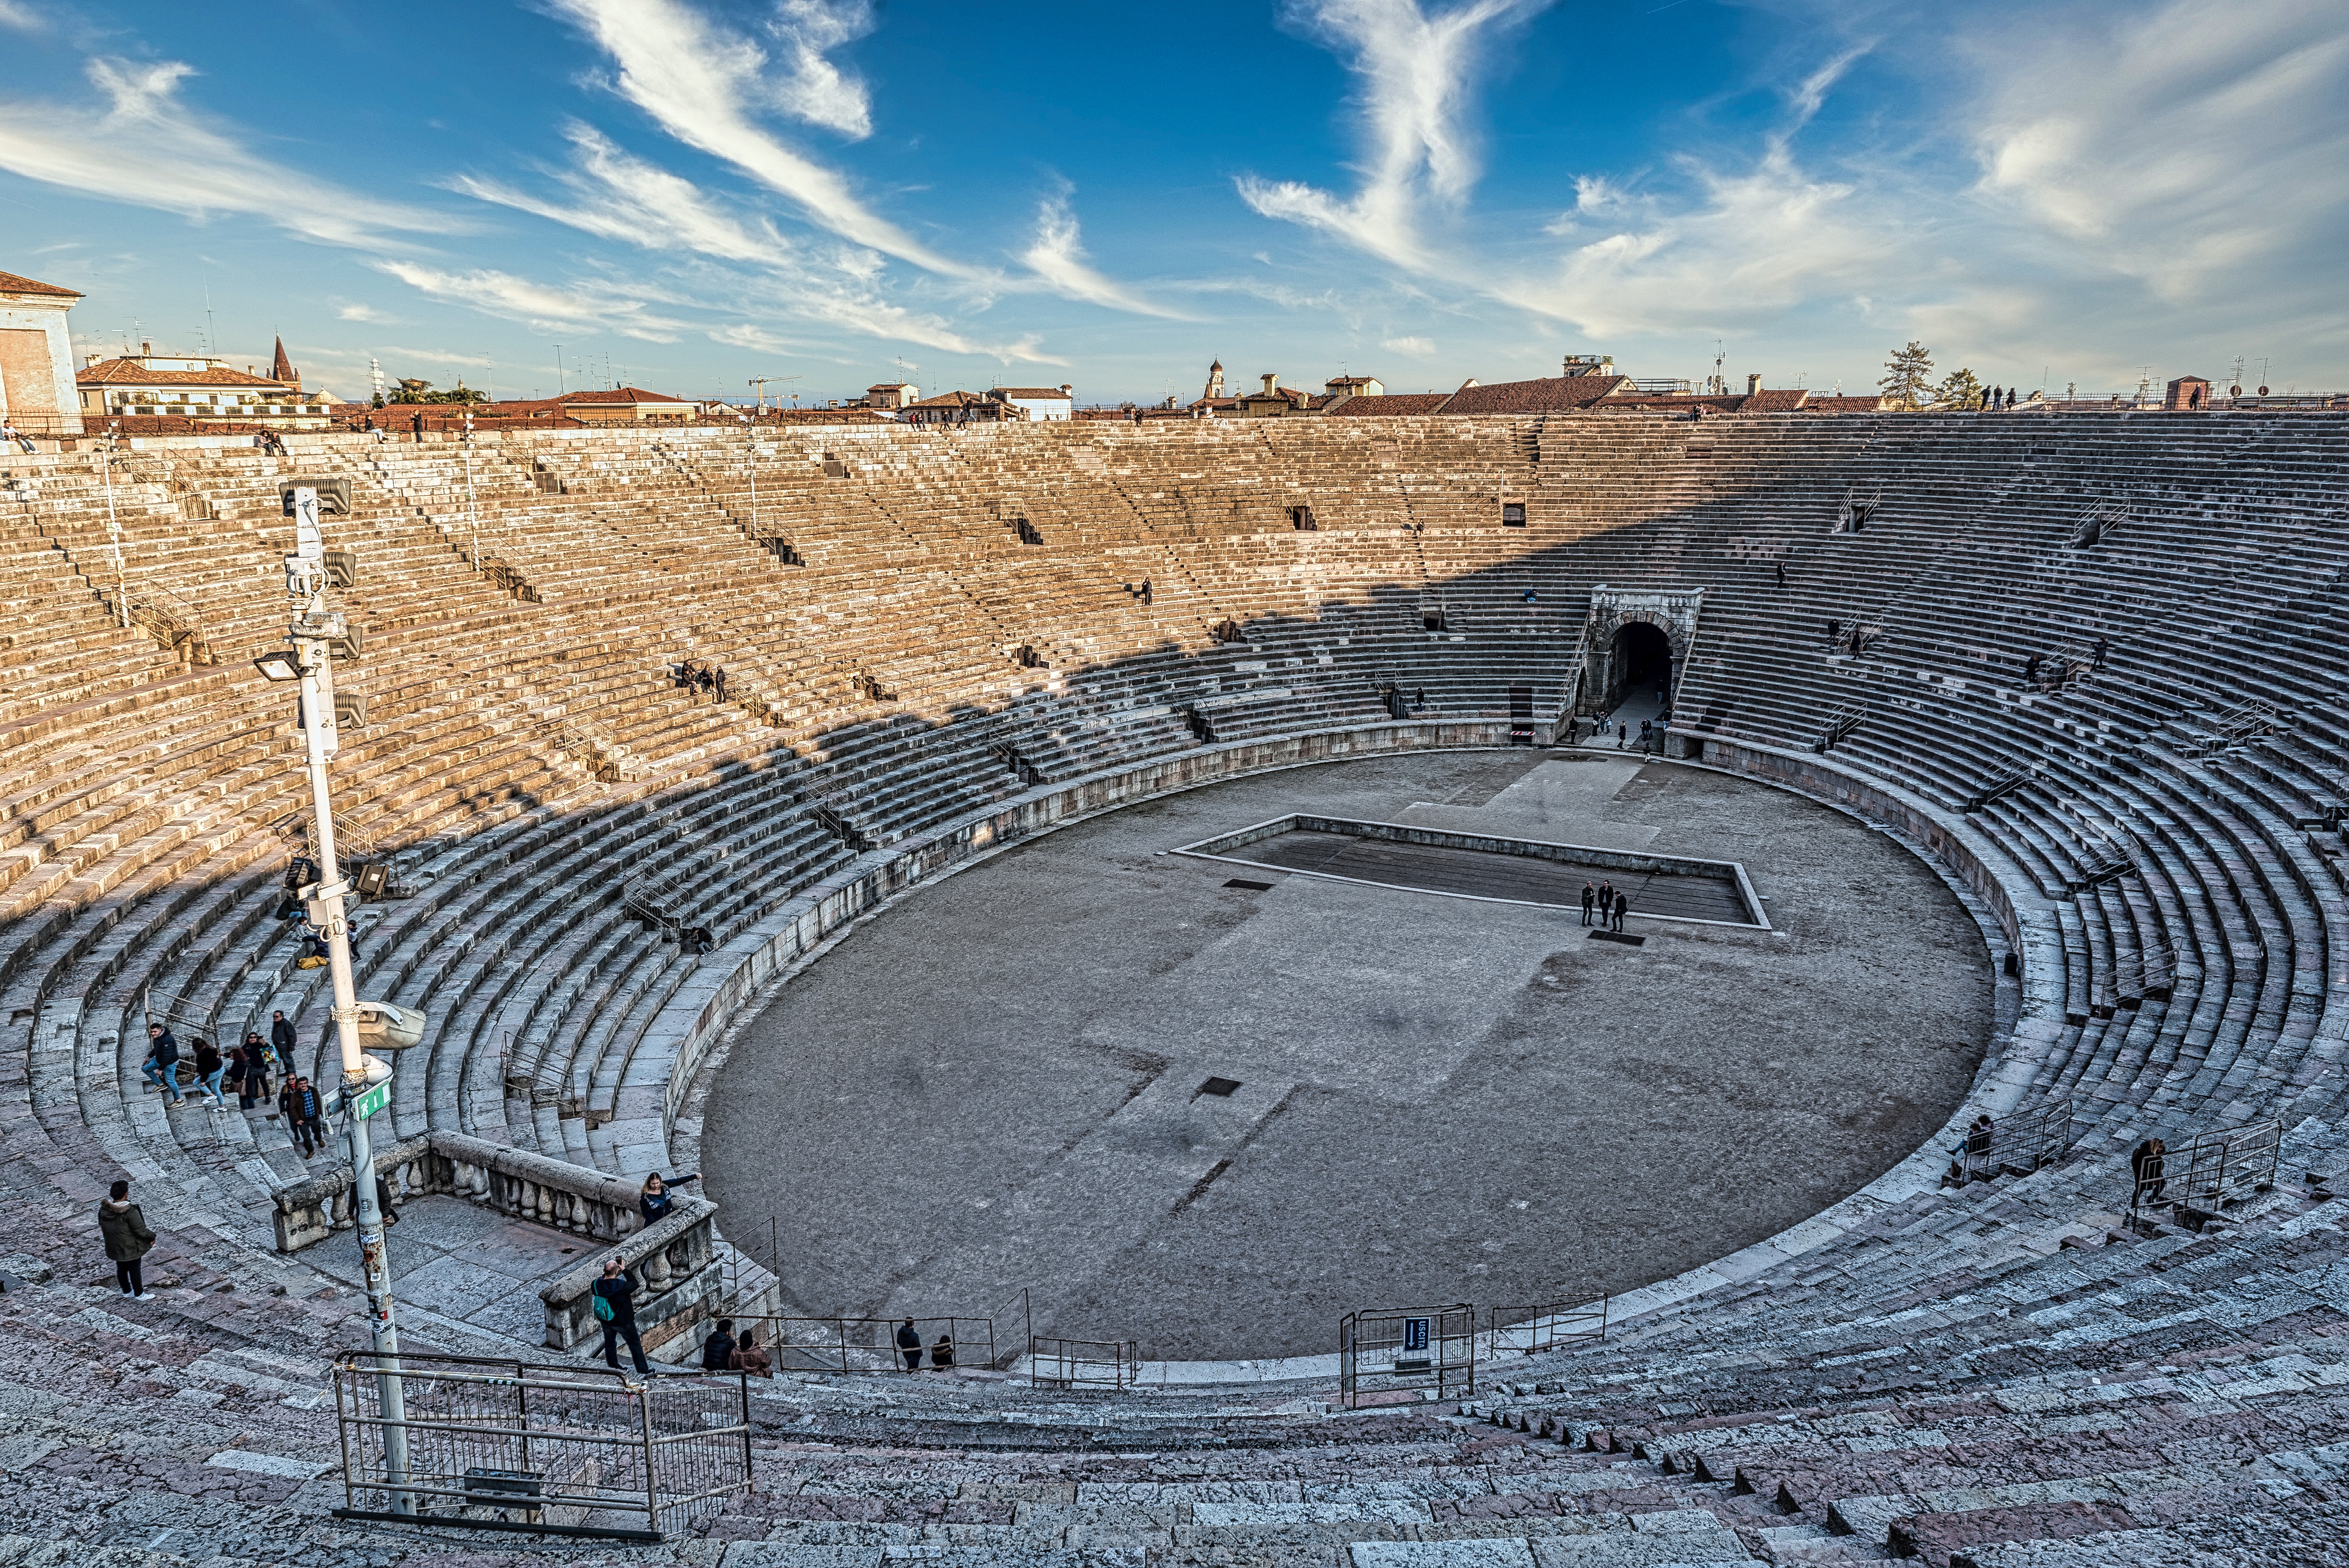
(1908, 374)
(1960, 388)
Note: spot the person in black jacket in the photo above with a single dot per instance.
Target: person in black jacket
(615, 1294)
(718, 1346)
(299, 1102)
(127, 1237)
(909, 1345)
(281, 1041)
(1622, 908)
(162, 1065)
(656, 1200)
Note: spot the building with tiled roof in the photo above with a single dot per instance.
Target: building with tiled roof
(621, 405)
(198, 387)
(1388, 403)
(1048, 403)
(960, 407)
(1544, 394)
(36, 375)
(890, 395)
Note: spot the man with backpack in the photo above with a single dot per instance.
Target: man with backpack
(615, 1309)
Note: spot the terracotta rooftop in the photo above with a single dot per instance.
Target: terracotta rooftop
(1390, 403)
(620, 394)
(1548, 394)
(951, 400)
(130, 373)
(11, 282)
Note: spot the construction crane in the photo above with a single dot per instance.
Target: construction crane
(759, 385)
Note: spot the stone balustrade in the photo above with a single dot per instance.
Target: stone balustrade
(675, 1261)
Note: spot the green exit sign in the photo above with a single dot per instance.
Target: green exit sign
(372, 1098)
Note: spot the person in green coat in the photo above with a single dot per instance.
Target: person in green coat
(127, 1236)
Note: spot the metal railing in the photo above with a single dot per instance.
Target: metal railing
(2216, 1171)
(1531, 1330)
(2018, 1143)
(1389, 1349)
(559, 1450)
(1056, 1363)
(869, 1345)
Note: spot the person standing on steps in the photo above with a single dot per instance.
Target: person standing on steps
(281, 1041)
(2097, 653)
(1782, 574)
(1606, 900)
(1622, 908)
(127, 1238)
(2030, 670)
(299, 1103)
(162, 1065)
(1588, 898)
(615, 1309)
(209, 1068)
(909, 1345)
(2146, 1164)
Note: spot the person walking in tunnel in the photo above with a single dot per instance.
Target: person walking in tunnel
(1589, 898)
(909, 1345)
(1622, 908)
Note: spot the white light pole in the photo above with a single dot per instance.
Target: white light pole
(750, 440)
(366, 1081)
(472, 515)
(114, 529)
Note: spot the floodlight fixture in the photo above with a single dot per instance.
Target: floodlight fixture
(279, 665)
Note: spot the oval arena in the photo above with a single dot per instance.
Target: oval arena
(928, 939)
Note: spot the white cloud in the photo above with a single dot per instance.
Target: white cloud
(439, 356)
(1411, 347)
(13, 15)
(620, 197)
(359, 313)
(700, 84)
(2178, 146)
(149, 149)
(537, 306)
(812, 89)
(1057, 258)
(1415, 72)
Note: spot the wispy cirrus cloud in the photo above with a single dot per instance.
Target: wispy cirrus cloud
(543, 307)
(1056, 257)
(617, 196)
(703, 85)
(1415, 71)
(145, 146)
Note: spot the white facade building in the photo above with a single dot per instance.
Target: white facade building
(36, 365)
(1037, 402)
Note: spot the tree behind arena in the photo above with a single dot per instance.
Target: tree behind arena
(1908, 374)
(1960, 388)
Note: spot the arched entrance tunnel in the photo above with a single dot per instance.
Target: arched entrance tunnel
(1643, 665)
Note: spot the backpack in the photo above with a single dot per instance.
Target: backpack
(603, 1312)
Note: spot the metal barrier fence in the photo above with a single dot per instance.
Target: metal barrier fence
(570, 1450)
(1530, 1330)
(1055, 1362)
(2019, 1142)
(2216, 1171)
(1383, 1349)
(871, 1343)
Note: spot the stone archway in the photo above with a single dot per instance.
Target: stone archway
(1607, 663)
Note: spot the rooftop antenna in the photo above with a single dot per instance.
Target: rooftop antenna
(1719, 385)
(558, 370)
(212, 336)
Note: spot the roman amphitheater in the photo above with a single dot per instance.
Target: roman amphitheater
(1121, 911)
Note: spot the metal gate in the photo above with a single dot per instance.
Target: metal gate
(1383, 1349)
(2019, 1142)
(1530, 1330)
(560, 1450)
(1055, 1362)
(2216, 1171)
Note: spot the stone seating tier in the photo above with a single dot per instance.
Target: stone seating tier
(2175, 902)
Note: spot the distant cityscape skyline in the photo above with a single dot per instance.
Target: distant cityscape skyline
(823, 193)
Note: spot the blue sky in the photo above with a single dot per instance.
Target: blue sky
(699, 193)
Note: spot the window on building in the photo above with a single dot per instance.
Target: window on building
(1513, 514)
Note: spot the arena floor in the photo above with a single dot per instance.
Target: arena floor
(994, 1084)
